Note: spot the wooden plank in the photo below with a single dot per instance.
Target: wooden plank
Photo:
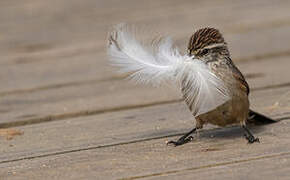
(266, 168)
(161, 17)
(121, 127)
(39, 65)
(79, 101)
(91, 98)
(85, 20)
(94, 67)
(153, 158)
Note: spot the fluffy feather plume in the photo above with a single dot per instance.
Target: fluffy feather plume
(159, 62)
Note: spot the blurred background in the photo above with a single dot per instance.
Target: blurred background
(50, 42)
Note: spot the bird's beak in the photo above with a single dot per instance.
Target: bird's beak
(189, 58)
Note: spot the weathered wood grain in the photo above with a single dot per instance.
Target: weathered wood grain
(153, 158)
(92, 65)
(54, 23)
(53, 66)
(32, 65)
(76, 134)
(276, 167)
(91, 98)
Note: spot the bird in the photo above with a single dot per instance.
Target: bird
(214, 89)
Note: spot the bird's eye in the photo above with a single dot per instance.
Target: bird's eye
(189, 52)
(204, 52)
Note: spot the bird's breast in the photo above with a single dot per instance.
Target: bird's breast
(233, 111)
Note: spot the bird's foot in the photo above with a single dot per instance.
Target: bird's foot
(251, 139)
(180, 141)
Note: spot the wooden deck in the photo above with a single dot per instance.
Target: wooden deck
(66, 114)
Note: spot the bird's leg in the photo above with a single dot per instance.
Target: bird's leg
(184, 139)
(249, 136)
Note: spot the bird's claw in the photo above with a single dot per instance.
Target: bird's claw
(180, 141)
(251, 139)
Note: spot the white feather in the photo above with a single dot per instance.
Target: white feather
(160, 62)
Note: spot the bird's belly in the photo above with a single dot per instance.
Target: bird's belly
(233, 111)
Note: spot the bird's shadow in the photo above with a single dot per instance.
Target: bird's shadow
(229, 132)
(211, 132)
(207, 133)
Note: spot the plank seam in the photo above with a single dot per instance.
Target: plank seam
(81, 114)
(101, 146)
(208, 166)
(115, 78)
(60, 85)
(89, 148)
(84, 113)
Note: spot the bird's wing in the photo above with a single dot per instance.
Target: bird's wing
(159, 62)
(244, 86)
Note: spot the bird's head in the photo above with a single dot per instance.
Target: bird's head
(208, 45)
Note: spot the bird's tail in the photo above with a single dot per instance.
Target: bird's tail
(259, 119)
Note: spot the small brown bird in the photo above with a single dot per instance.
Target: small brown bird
(209, 46)
(214, 89)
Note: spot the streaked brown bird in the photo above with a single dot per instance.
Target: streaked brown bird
(214, 89)
(208, 45)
